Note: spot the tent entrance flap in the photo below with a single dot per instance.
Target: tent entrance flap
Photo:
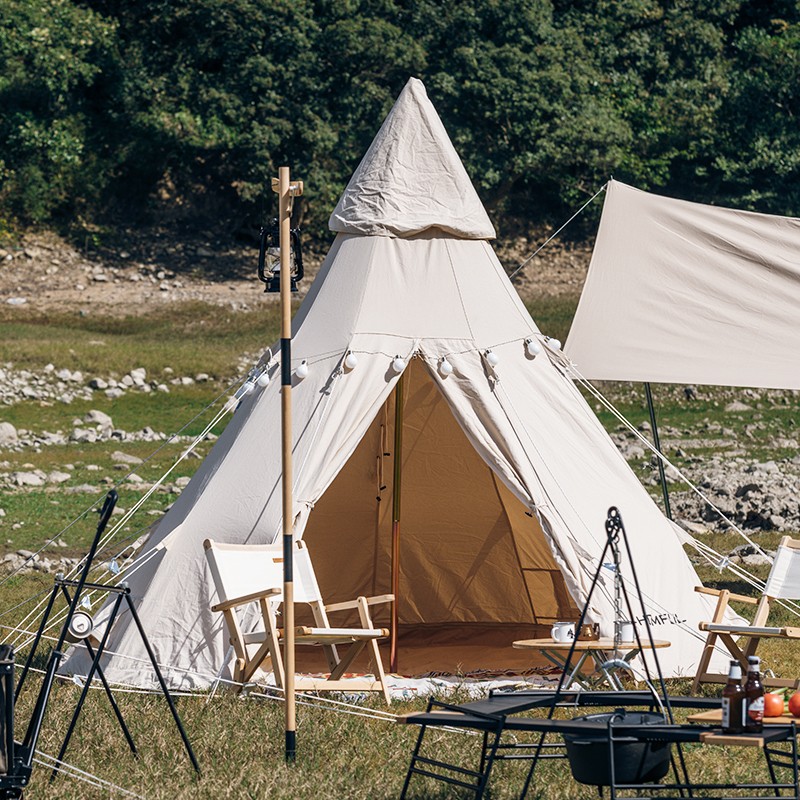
(464, 535)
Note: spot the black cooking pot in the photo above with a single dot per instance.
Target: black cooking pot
(634, 761)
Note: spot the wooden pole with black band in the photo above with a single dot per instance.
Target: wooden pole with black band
(286, 191)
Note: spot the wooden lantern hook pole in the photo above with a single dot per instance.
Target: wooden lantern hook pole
(287, 190)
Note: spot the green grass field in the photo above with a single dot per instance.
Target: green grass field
(240, 741)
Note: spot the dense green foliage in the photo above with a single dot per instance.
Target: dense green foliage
(114, 108)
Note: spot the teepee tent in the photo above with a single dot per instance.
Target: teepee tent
(507, 474)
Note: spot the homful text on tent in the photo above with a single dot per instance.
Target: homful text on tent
(507, 474)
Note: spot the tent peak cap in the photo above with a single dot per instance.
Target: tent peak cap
(411, 179)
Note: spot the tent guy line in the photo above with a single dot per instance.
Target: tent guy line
(599, 396)
(253, 690)
(71, 771)
(109, 535)
(713, 557)
(553, 236)
(149, 458)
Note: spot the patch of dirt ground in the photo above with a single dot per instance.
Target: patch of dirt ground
(45, 272)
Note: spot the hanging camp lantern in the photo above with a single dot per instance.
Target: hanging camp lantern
(269, 257)
(80, 627)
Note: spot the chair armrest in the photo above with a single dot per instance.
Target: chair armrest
(739, 598)
(371, 601)
(247, 598)
(751, 631)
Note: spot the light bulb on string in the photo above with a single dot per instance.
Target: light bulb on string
(554, 344)
(445, 367)
(533, 347)
(398, 365)
(248, 388)
(263, 379)
(302, 370)
(492, 358)
(351, 360)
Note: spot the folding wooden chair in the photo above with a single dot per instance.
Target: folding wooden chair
(742, 641)
(250, 576)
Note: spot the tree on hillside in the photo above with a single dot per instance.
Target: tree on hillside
(52, 56)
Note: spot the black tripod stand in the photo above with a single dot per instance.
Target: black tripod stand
(77, 628)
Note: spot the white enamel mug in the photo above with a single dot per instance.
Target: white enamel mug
(627, 632)
(563, 631)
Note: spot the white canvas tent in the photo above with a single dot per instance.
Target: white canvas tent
(508, 474)
(681, 292)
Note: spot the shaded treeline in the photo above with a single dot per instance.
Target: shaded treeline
(111, 109)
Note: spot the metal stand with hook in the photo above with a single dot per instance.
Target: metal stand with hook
(615, 533)
(77, 628)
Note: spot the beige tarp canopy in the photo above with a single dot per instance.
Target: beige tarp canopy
(507, 474)
(681, 292)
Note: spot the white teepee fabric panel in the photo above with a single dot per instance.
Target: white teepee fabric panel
(681, 292)
(411, 179)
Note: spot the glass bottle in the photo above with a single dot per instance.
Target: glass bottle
(733, 701)
(754, 696)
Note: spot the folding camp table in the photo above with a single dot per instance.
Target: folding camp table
(500, 712)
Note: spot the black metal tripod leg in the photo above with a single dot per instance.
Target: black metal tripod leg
(86, 686)
(161, 681)
(36, 640)
(113, 701)
(107, 688)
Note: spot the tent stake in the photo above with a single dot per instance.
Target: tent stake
(657, 442)
(396, 486)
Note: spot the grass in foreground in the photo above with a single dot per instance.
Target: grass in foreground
(239, 743)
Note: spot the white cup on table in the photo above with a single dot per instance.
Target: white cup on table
(627, 632)
(563, 631)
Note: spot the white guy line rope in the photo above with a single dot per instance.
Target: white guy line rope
(553, 236)
(72, 771)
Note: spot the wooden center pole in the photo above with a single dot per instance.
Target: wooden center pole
(397, 481)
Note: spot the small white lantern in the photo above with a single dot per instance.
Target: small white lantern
(398, 365)
(533, 347)
(302, 370)
(492, 358)
(554, 344)
(446, 368)
(351, 360)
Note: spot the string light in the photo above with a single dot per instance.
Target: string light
(492, 358)
(351, 360)
(553, 344)
(445, 367)
(302, 370)
(533, 347)
(398, 365)
(263, 379)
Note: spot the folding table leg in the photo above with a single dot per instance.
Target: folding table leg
(414, 754)
(532, 768)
